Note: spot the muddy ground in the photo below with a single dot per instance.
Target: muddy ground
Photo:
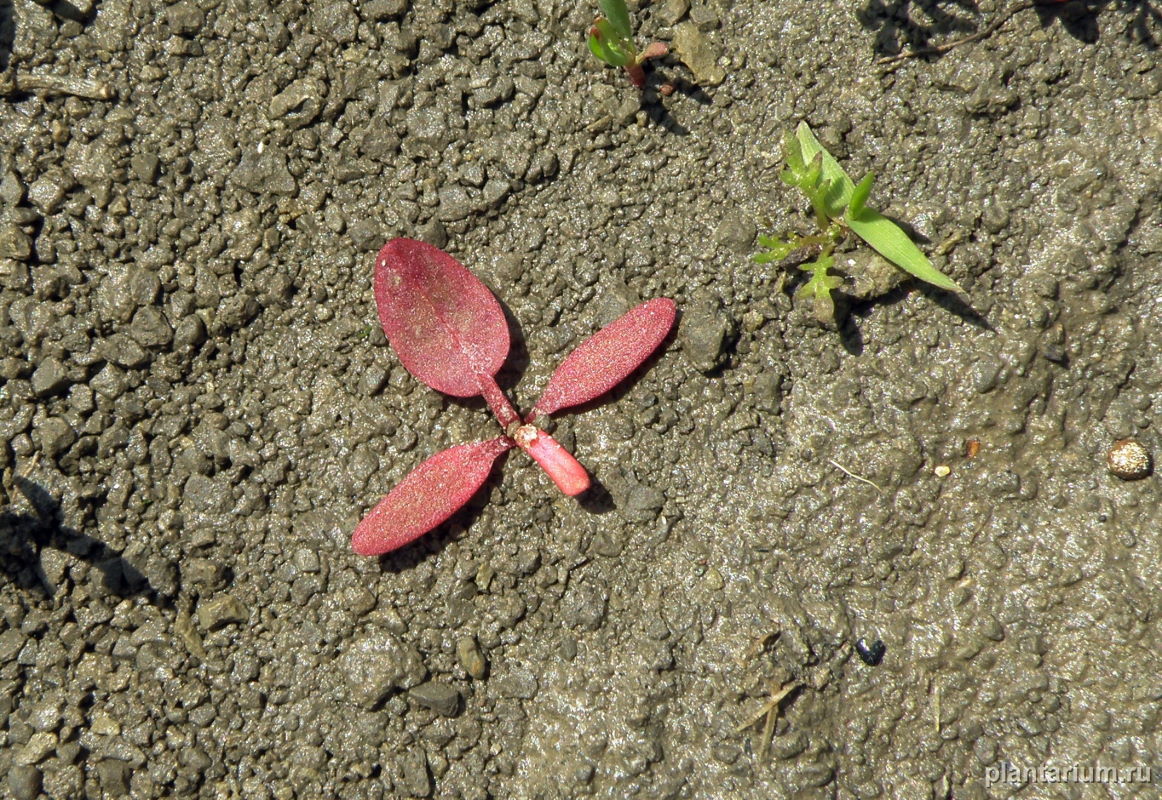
(197, 405)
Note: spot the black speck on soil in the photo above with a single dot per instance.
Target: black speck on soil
(196, 406)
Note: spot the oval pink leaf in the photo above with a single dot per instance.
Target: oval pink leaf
(442, 321)
(608, 357)
(430, 494)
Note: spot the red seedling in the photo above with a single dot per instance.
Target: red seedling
(450, 333)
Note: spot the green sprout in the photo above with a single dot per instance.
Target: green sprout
(840, 205)
(611, 40)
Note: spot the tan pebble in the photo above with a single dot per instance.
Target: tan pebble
(471, 659)
(1129, 460)
(943, 471)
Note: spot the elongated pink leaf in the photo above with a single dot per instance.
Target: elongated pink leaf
(442, 321)
(608, 357)
(430, 494)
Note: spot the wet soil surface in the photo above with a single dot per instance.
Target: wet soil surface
(197, 405)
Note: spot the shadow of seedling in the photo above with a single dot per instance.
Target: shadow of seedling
(904, 23)
(1145, 23)
(661, 86)
(934, 27)
(7, 32)
(23, 538)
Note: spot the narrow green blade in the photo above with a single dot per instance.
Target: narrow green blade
(890, 241)
(618, 15)
(859, 196)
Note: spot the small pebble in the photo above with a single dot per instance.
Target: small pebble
(1129, 460)
(220, 611)
(943, 471)
(39, 746)
(378, 665)
(440, 697)
(713, 580)
(471, 658)
(520, 684)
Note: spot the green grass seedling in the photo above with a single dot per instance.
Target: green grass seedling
(839, 205)
(611, 41)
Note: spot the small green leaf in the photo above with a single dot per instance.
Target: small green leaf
(598, 48)
(793, 155)
(606, 46)
(859, 195)
(818, 268)
(803, 175)
(819, 192)
(838, 185)
(890, 241)
(776, 250)
(818, 288)
(832, 196)
(814, 171)
(618, 15)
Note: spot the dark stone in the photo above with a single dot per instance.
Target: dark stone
(220, 611)
(56, 436)
(125, 352)
(185, 18)
(49, 378)
(380, 10)
(150, 328)
(440, 697)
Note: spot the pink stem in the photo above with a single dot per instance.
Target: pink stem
(566, 471)
(497, 401)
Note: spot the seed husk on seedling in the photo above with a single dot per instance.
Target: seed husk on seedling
(450, 333)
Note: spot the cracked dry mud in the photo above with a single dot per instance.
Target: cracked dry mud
(197, 405)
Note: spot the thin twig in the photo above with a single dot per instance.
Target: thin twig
(57, 85)
(851, 474)
(772, 702)
(771, 711)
